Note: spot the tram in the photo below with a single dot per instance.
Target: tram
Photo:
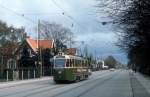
(69, 68)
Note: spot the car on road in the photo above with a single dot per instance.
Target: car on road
(112, 69)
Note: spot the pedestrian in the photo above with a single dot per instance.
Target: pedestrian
(135, 69)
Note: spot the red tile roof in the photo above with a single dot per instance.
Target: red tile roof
(41, 43)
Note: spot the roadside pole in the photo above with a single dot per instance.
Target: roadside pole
(39, 49)
(7, 75)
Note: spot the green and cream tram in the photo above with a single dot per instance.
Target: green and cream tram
(70, 68)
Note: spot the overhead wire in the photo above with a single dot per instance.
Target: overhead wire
(16, 13)
(26, 18)
(74, 20)
(41, 13)
(65, 13)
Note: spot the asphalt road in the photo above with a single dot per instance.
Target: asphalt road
(100, 84)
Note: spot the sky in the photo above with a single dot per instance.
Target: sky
(100, 39)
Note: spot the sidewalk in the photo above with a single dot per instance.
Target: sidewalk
(144, 80)
(30, 81)
(140, 85)
(19, 82)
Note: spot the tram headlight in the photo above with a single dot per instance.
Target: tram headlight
(59, 72)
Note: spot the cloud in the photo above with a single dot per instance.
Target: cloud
(81, 13)
(98, 37)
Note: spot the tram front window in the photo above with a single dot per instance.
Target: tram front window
(59, 62)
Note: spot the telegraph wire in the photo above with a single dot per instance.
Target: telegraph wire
(28, 19)
(41, 13)
(18, 14)
(66, 14)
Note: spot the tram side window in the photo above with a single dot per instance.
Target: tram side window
(84, 63)
(67, 63)
(75, 65)
(81, 63)
(71, 62)
(78, 63)
(87, 63)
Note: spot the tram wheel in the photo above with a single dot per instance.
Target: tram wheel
(77, 79)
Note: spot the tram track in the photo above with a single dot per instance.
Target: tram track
(28, 95)
(81, 94)
(35, 93)
(42, 89)
(34, 90)
(16, 85)
(94, 86)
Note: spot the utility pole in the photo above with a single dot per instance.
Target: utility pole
(95, 56)
(38, 40)
(39, 49)
(70, 40)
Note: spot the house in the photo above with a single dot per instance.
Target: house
(71, 51)
(32, 54)
(5, 55)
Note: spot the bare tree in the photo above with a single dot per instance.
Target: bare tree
(61, 35)
(132, 17)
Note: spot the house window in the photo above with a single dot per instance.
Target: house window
(30, 53)
(11, 64)
(1, 59)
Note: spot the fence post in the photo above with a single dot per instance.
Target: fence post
(22, 74)
(13, 75)
(7, 75)
(34, 73)
(52, 70)
(28, 74)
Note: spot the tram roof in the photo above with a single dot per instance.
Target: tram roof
(68, 57)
